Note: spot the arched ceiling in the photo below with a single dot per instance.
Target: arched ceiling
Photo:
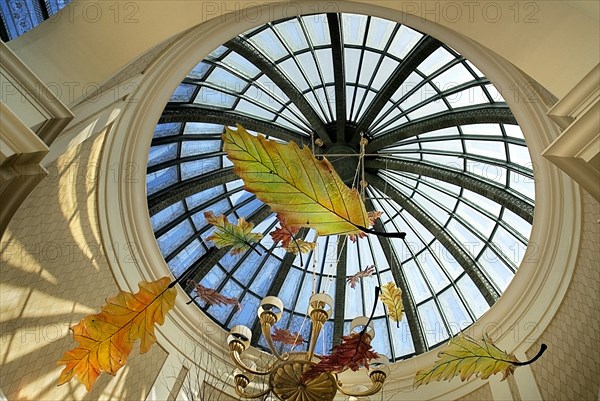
(446, 163)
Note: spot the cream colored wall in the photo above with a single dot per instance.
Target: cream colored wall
(545, 39)
(53, 272)
(570, 369)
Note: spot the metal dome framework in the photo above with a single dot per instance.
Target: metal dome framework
(446, 163)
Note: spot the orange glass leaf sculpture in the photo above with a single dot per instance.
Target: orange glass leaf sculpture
(307, 192)
(354, 351)
(284, 336)
(107, 338)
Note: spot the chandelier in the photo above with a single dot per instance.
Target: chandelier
(285, 374)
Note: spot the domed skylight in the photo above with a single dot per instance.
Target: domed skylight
(446, 163)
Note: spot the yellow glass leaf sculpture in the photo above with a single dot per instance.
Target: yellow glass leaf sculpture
(107, 338)
(299, 246)
(466, 357)
(307, 192)
(391, 296)
(240, 237)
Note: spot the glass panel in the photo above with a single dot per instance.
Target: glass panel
(466, 239)
(168, 129)
(493, 149)
(288, 291)
(198, 167)
(456, 314)
(495, 269)
(401, 337)
(353, 28)
(265, 278)
(416, 282)
(192, 148)
(476, 219)
(268, 42)
(161, 179)
(162, 153)
(183, 93)
(241, 64)
(433, 271)
(473, 296)
(433, 325)
(437, 59)
(385, 70)
(169, 213)
(430, 108)
(381, 342)
(317, 28)
(488, 171)
(517, 223)
(519, 155)
(213, 97)
(453, 77)
(380, 31)
(325, 60)
(404, 41)
(186, 257)
(467, 97)
(199, 71)
(226, 80)
(292, 34)
(522, 184)
(204, 196)
(247, 315)
(202, 128)
(175, 237)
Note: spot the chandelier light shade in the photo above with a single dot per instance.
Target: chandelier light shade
(286, 379)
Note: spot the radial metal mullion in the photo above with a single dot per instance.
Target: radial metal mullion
(247, 50)
(317, 64)
(426, 80)
(479, 114)
(426, 46)
(198, 113)
(409, 306)
(358, 70)
(443, 95)
(462, 257)
(339, 74)
(491, 191)
(340, 290)
(467, 156)
(382, 55)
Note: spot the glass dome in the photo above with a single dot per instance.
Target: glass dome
(446, 163)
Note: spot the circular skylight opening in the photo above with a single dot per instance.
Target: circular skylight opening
(446, 163)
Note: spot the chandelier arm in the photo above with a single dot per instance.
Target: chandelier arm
(316, 329)
(266, 331)
(375, 388)
(242, 393)
(235, 356)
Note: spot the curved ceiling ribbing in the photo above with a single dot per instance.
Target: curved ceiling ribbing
(446, 163)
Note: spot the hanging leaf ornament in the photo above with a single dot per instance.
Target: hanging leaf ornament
(213, 297)
(284, 336)
(240, 237)
(307, 192)
(356, 277)
(391, 296)
(286, 235)
(107, 338)
(466, 357)
(354, 351)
